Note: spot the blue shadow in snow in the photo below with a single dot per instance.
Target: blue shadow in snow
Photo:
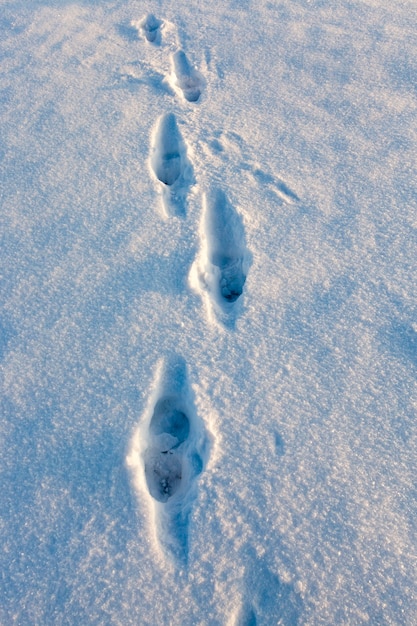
(268, 600)
(127, 31)
(7, 333)
(132, 83)
(402, 340)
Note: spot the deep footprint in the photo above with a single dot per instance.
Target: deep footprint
(174, 457)
(224, 260)
(187, 78)
(170, 165)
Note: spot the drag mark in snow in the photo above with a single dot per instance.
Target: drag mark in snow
(221, 269)
(187, 79)
(170, 448)
(279, 186)
(170, 164)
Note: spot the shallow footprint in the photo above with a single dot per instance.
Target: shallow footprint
(187, 79)
(150, 27)
(171, 446)
(170, 164)
(221, 269)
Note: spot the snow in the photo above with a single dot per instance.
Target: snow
(286, 478)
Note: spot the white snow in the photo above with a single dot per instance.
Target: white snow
(287, 477)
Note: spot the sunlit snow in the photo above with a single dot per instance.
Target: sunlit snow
(208, 314)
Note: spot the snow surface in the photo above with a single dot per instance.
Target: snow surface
(174, 451)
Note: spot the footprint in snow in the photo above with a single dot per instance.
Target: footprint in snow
(187, 79)
(221, 268)
(173, 453)
(170, 165)
(150, 27)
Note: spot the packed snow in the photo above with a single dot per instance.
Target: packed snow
(208, 321)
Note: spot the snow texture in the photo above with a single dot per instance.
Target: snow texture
(208, 318)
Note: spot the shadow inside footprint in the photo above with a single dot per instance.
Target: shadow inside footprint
(166, 158)
(173, 457)
(150, 26)
(169, 420)
(187, 78)
(169, 427)
(170, 165)
(232, 278)
(224, 260)
(225, 246)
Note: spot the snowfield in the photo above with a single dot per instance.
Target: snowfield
(208, 314)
